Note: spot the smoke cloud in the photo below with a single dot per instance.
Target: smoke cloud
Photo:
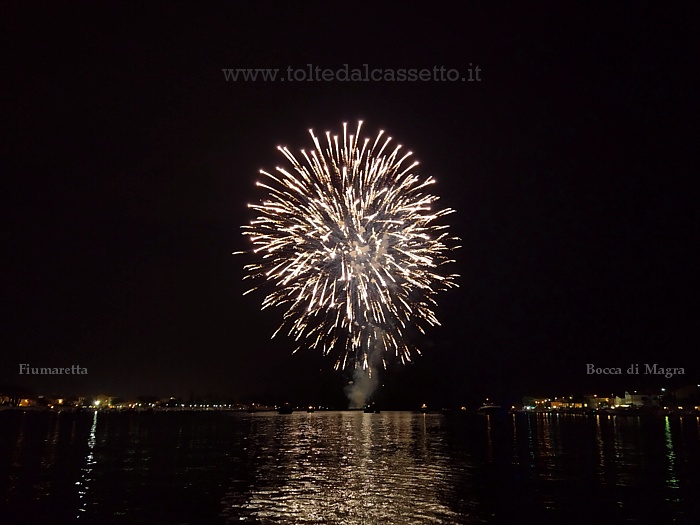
(364, 382)
(360, 391)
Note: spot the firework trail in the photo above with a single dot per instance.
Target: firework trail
(348, 240)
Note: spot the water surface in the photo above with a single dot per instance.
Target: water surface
(346, 467)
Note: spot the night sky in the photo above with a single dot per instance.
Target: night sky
(129, 160)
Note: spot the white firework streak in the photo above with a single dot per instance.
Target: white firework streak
(348, 239)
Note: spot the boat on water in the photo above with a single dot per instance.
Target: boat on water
(488, 408)
(310, 410)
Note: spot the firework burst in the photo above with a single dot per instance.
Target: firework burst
(348, 240)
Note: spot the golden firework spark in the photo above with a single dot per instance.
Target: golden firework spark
(349, 242)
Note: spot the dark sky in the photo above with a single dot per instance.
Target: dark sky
(128, 162)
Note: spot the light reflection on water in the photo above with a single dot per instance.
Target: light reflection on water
(86, 478)
(347, 467)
